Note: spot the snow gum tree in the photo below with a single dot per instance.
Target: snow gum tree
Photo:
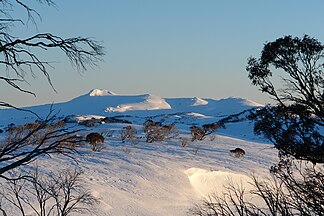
(295, 124)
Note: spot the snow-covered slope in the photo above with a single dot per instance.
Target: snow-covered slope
(160, 178)
(164, 178)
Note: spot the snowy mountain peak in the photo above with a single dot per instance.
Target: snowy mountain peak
(101, 92)
(198, 101)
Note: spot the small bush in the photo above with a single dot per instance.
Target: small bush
(96, 140)
(90, 122)
(30, 132)
(55, 125)
(149, 124)
(238, 152)
(197, 133)
(129, 133)
(210, 128)
(157, 133)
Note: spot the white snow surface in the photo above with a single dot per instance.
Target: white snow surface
(206, 182)
(160, 178)
(149, 102)
(101, 92)
(199, 101)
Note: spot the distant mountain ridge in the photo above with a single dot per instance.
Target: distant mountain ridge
(107, 103)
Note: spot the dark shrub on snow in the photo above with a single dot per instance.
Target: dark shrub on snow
(96, 140)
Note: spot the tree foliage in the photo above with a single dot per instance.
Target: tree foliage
(295, 124)
(300, 62)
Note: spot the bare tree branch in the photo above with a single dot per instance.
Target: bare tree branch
(21, 56)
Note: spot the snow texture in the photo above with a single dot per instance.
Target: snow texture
(160, 178)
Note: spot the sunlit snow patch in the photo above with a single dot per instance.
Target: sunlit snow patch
(198, 101)
(88, 117)
(212, 182)
(101, 92)
(251, 103)
(150, 102)
(198, 115)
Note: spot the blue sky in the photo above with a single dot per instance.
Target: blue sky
(170, 48)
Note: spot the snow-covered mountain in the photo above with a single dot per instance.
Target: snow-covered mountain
(160, 178)
(107, 103)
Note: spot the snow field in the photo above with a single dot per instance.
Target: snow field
(160, 178)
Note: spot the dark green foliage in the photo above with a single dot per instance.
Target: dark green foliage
(292, 134)
(294, 125)
(300, 64)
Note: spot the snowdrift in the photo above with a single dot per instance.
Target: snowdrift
(206, 182)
